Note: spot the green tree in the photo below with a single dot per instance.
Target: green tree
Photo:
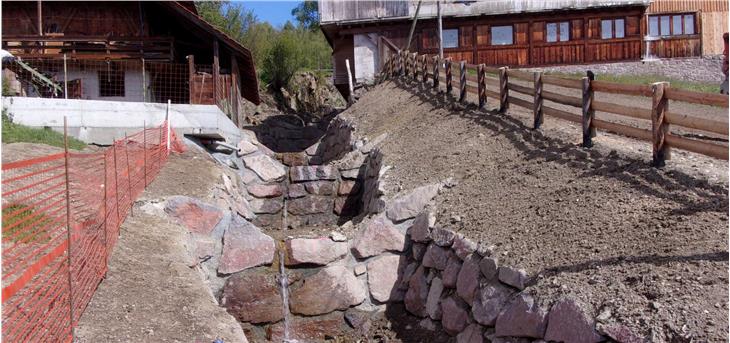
(307, 14)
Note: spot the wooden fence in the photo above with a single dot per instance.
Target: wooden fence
(497, 83)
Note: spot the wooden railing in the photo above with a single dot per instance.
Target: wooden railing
(89, 47)
(497, 83)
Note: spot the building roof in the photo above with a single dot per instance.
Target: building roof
(351, 12)
(247, 68)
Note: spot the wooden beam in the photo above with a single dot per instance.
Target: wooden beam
(191, 77)
(216, 71)
(40, 18)
(235, 91)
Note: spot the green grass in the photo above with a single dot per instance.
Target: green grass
(31, 230)
(646, 79)
(14, 133)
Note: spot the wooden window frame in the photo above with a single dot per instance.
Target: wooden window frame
(514, 37)
(557, 36)
(613, 27)
(671, 24)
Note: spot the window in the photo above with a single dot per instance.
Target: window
(451, 38)
(558, 31)
(613, 28)
(671, 25)
(502, 35)
(653, 26)
(111, 82)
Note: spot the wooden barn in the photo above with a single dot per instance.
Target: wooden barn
(523, 33)
(129, 51)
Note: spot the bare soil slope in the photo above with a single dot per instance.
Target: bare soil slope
(646, 247)
(152, 292)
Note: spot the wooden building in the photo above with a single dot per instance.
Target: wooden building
(514, 33)
(146, 51)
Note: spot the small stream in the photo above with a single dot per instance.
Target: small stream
(284, 284)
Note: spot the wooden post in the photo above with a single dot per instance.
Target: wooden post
(40, 19)
(235, 91)
(537, 104)
(191, 77)
(65, 78)
(68, 219)
(129, 176)
(447, 69)
(589, 131)
(401, 64)
(424, 69)
(116, 181)
(462, 81)
(408, 62)
(144, 83)
(144, 150)
(414, 59)
(503, 90)
(436, 62)
(659, 126)
(481, 86)
(216, 72)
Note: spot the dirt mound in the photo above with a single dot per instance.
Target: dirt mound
(645, 247)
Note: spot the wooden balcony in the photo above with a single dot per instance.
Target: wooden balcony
(90, 47)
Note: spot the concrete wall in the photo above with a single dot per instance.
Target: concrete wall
(100, 122)
(366, 56)
(90, 84)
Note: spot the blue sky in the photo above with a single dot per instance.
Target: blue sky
(275, 12)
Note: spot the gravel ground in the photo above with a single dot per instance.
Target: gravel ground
(648, 246)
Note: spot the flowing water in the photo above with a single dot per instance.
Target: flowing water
(284, 284)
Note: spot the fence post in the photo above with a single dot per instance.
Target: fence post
(68, 225)
(481, 86)
(503, 90)
(659, 126)
(104, 209)
(65, 78)
(414, 58)
(447, 69)
(116, 180)
(144, 150)
(144, 83)
(589, 131)
(160, 150)
(537, 105)
(462, 81)
(129, 175)
(424, 69)
(167, 120)
(436, 72)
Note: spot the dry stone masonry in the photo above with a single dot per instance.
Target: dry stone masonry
(336, 282)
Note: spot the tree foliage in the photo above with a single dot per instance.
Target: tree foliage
(278, 52)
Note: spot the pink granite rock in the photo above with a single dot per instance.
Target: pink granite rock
(420, 231)
(309, 205)
(265, 191)
(260, 304)
(384, 275)
(489, 302)
(319, 251)
(331, 288)
(312, 173)
(451, 273)
(569, 323)
(436, 257)
(468, 280)
(521, 318)
(194, 214)
(454, 316)
(472, 334)
(433, 301)
(320, 187)
(417, 294)
(378, 236)
(245, 246)
(409, 205)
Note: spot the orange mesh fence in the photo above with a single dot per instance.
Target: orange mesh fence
(61, 215)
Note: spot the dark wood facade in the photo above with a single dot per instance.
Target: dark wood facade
(160, 31)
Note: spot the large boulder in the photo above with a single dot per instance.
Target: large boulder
(468, 280)
(489, 302)
(409, 205)
(308, 329)
(197, 216)
(455, 315)
(319, 251)
(417, 293)
(267, 168)
(521, 318)
(260, 304)
(433, 301)
(331, 288)
(378, 236)
(384, 276)
(569, 323)
(245, 246)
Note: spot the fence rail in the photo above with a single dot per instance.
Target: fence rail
(489, 82)
(61, 215)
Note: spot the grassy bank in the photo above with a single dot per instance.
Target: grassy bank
(646, 80)
(14, 133)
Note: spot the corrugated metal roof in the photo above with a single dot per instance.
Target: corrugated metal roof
(334, 11)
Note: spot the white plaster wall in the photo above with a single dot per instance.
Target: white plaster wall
(90, 83)
(366, 56)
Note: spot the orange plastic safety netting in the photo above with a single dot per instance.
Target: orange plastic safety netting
(60, 219)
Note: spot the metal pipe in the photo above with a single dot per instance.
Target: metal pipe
(65, 78)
